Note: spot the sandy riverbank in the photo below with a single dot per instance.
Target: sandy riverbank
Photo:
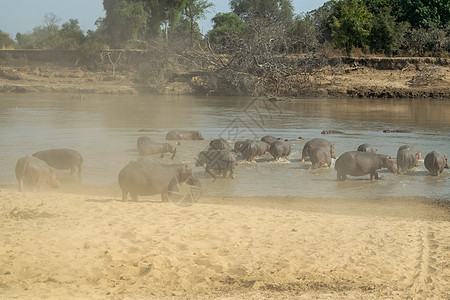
(24, 71)
(91, 246)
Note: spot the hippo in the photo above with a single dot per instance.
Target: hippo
(332, 132)
(218, 160)
(147, 178)
(320, 156)
(62, 159)
(34, 172)
(417, 152)
(269, 139)
(316, 143)
(219, 144)
(239, 145)
(142, 140)
(435, 162)
(357, 163)
(254, 148)
(367, 148)
(280, 149)
(397, 131)
(155, 148)
(184, 135)
(407, 158)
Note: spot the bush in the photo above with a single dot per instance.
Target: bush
(6, 41)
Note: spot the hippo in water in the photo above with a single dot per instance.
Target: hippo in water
(156, 148)
(34, 172)
(254, 148)
(320, 156)
(407, 158)
(184, 135)
(367, 148)
(239, 145)
(414, 149)
(397, 131)
(222, 161)
(62, 159)
(316, 143)
(147, 178)
(435, 162)
(357, 163)
(280, 149)
(219, 144)
(332, 132)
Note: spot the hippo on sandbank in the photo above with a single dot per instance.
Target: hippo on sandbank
(34, 173)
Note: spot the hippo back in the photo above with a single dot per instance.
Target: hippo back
(435, 162)
(280, 149)
(320, 156)
(184, 135)
(317, 143)
(406, 159)
(367, 148)
(219, 144)
(61, 159)
(269, 139)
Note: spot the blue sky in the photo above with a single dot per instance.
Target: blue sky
(23, 15)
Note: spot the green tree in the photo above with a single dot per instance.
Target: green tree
(70, 36)
(321, 18)
(38, 39)
(425, 13)
(6, 41)
(273, 10)
(387, 35)
(351, 25)
(195, 10)
(124, 19)
(226, 28)
(165, 13)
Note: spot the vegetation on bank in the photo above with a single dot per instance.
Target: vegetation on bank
(390, 27)
(257, 47)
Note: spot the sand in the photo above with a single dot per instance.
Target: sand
(61, 245)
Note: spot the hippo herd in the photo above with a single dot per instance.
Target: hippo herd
(151, 177)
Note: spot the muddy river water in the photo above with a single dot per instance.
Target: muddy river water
(104, 129)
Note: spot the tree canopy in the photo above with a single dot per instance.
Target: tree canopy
(381, 26)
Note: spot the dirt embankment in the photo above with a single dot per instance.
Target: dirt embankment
(131, 72)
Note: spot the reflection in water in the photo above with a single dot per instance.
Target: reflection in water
(105, 128)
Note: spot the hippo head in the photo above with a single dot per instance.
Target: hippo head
(388, 163)
(446, 162)
(53, 181)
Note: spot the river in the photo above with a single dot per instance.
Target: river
(104, 129)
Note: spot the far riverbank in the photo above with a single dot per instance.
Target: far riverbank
(131, 72)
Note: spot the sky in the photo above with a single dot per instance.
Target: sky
(23, 15)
